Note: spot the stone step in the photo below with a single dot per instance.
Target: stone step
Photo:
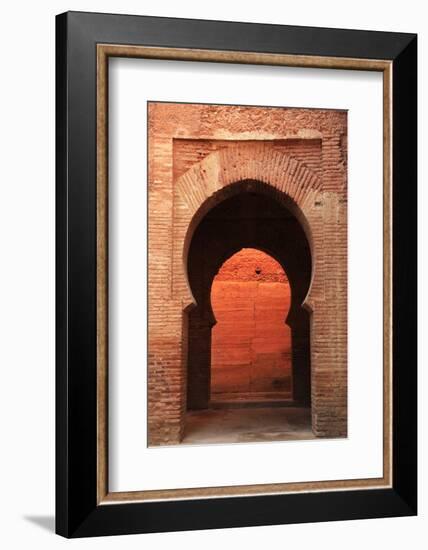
(252, 400)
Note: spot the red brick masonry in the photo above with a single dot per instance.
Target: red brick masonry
(201, 155)
(251, 344)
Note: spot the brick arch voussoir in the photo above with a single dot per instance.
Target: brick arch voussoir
(243, 162)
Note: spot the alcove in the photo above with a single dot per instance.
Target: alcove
(257, 221)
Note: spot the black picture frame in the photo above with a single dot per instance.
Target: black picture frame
(77, 511)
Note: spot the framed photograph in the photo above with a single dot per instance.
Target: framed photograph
(236, 274)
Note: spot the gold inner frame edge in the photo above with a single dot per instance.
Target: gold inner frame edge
(104, 51)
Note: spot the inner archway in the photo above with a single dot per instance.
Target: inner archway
(249, 219)
(251, 343)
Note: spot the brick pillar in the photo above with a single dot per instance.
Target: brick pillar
(199, 361)
(329, 318)
(301, 361)
(166, 376)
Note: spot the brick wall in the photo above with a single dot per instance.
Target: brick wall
(251, 344)
(202, 155)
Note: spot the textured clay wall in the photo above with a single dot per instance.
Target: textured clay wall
(199, 155)
(251, 344)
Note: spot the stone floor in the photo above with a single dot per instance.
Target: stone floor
(245, 425)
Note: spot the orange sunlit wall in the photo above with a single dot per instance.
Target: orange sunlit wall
(251, 344)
